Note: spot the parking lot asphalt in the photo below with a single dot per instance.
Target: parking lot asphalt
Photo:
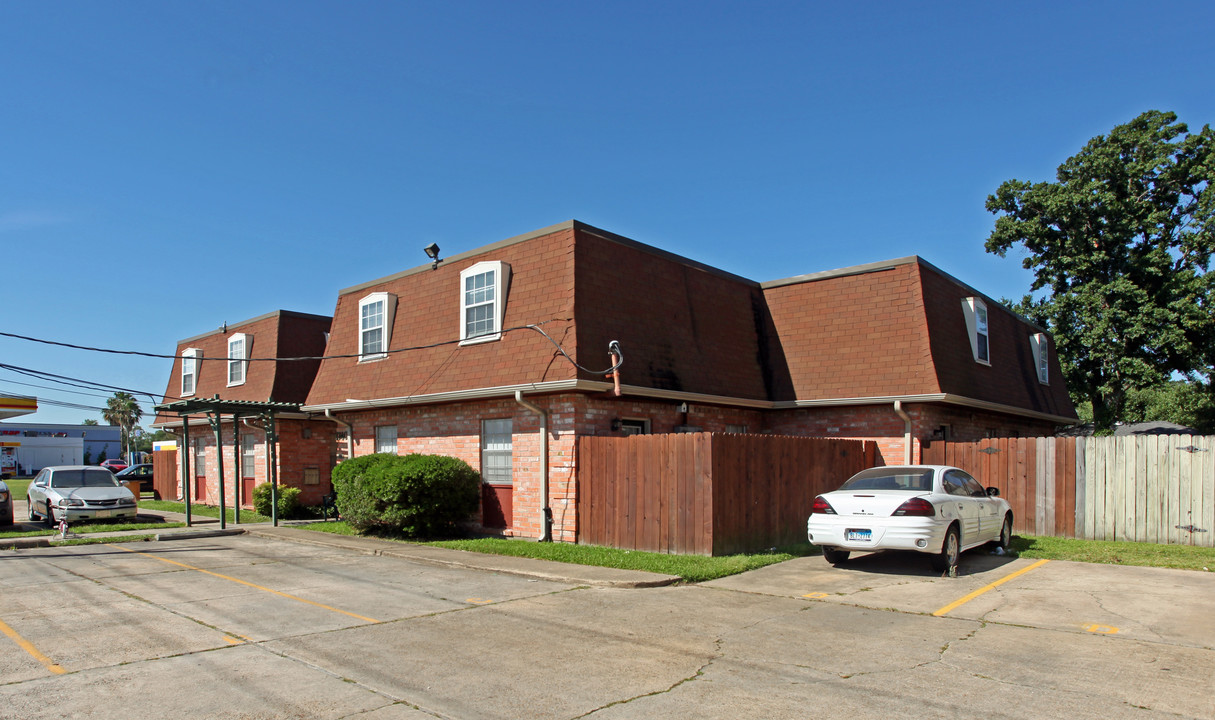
(256, 626)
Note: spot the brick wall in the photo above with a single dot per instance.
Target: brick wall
(297, 455)
(882, 425)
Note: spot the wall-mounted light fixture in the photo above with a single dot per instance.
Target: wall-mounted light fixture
(432, 252)
(616, 425)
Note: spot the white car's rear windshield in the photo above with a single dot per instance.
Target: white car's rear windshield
(890, 479)
(88, 477)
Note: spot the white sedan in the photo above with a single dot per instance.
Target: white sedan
(78, 492)
(933, 509)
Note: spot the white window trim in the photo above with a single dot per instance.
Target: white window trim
(194, 355)
(242, 363)
(501, 272)
(390, 306)
(500, 451)
(396, 437)
(1041, 350)
(970, 310)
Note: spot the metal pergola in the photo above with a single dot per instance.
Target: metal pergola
(214, 409)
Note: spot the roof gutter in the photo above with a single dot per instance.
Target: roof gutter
(546, 512)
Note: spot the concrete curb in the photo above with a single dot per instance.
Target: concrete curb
(548, 570)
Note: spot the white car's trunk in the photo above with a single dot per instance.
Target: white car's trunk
(869, 503)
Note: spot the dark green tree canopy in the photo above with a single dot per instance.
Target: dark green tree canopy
(1120, 246)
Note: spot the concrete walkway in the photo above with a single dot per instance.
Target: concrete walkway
(504, 564)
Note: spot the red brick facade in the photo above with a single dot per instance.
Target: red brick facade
(826, 355)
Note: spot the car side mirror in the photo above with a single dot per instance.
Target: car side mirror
(993, 492)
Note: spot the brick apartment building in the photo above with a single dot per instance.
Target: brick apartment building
(475, 357)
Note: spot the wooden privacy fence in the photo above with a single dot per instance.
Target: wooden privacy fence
(1146, 488)
(164, 474)
(705, 493)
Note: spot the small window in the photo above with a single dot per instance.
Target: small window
(497, 451)
(635, 427)
(189, 371)
(386, 439)
(238, 354)
(483, 290)
(248, 454)
(375, 325)
(975, 312)
(1041, 351)
(740, 429)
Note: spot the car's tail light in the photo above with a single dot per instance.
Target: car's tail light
(916, 507)
(821, 507)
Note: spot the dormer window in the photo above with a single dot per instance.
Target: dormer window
(975, 312)
(483, 301)
(375, 325)
(238, 354)
(1041, 351)
(189, 371)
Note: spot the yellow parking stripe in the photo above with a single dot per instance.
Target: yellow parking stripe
(249, 584)
(29, 648)
(962, 601)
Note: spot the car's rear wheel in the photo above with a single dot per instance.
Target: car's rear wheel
(835, 556)
(947, 559)
(29, 509)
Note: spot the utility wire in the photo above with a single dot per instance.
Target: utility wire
(613, 347)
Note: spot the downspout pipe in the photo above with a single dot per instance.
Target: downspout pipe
(349, 432)
(898, 408)
(546, 512)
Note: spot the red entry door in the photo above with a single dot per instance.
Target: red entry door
(496, 506)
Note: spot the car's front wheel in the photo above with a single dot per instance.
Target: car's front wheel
(835, 556)
(947, 559)
(50, 515)
(1005, 533)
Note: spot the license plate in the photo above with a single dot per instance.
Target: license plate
(103, 513)
(860, 535)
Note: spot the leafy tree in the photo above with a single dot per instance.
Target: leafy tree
(143, 440)
(1120, 245)
(90, 421)
(124, 411)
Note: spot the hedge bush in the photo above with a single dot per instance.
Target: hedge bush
(413, 495)
(288, 501)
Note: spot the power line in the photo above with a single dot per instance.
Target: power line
(534, 327)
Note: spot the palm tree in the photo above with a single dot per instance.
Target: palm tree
(124, 411)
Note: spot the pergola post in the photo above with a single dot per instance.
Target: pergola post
(218, 428)
(185, 465)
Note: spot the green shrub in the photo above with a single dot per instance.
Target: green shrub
(288, 501)
(414, 495)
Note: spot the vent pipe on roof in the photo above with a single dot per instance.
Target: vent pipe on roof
(546, 512)
(898, 408)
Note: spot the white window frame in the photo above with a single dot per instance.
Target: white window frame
(635, 426)
(239, 363)
(978, 327)
(190, 365)
(248, 455)
(1040, 345)
(496, 305)
(384, 326)
(498, 444)
(384, 434)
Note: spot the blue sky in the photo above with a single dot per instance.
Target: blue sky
(166, 167)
